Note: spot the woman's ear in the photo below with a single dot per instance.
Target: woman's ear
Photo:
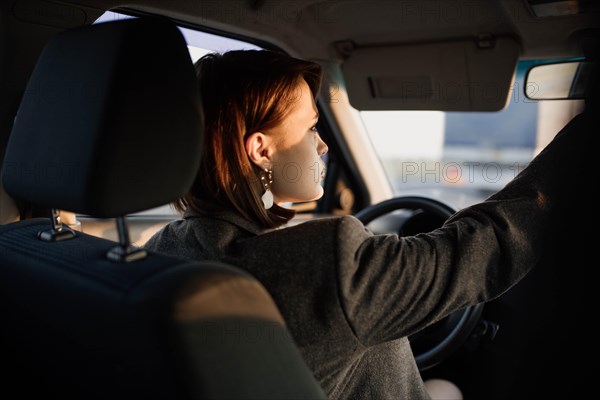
(259, 148)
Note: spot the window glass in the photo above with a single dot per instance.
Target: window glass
(198, 43)
(461, 158)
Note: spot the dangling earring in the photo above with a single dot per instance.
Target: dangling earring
(266, 178)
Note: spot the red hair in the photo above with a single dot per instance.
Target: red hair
(243, 92)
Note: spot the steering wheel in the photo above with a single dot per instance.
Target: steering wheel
(438, 341)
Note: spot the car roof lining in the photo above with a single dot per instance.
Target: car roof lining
(312, 29)
(309, 28)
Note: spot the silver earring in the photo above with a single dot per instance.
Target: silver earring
(266, 178)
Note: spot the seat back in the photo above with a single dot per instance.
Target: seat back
(87, 318)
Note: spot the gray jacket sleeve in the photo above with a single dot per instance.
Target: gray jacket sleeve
(391, 286)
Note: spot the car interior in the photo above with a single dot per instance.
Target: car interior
(426, 106)
(105, 312)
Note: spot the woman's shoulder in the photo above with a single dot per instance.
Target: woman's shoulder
(337, 227)
(327, 231)
(318, 221)
(165, 236)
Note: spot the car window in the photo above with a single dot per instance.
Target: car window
(461, 158)
(198, 43)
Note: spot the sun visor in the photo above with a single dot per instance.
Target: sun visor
(469, 75)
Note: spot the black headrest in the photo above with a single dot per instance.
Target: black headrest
(110, 122)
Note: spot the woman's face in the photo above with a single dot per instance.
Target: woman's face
(296, 160)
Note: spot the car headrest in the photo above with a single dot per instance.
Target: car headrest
(110, 122)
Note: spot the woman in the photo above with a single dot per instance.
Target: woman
(350, 298)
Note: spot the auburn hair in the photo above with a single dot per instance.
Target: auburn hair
(243, 92)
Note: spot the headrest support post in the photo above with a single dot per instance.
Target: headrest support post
(58, 232)
(125, 252)
(123, 230)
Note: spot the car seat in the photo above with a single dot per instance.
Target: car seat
(110, 124)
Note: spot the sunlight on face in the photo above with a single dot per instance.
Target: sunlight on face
(297, 165)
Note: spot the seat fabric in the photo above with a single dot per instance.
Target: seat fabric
(77, 325)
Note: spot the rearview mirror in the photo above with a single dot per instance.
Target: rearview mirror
(558, 81)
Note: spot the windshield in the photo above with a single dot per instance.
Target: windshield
(461, 158)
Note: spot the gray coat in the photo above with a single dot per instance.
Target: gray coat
(350, 298)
